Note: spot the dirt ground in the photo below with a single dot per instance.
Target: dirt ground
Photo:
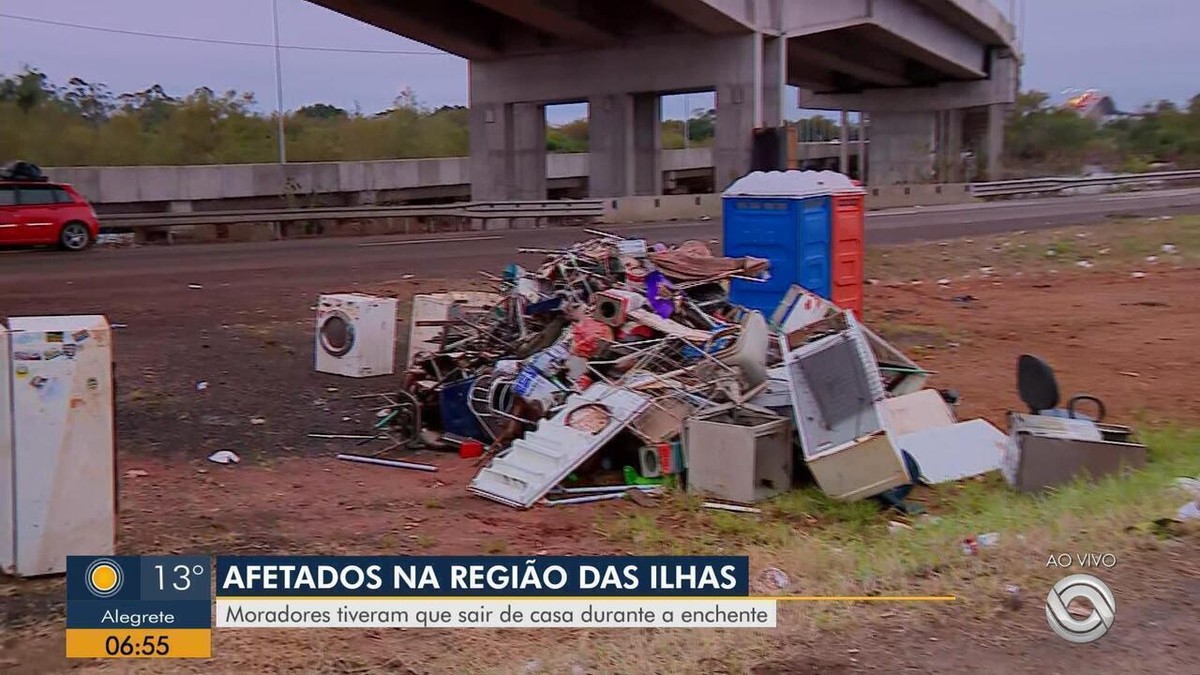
(1129, 340)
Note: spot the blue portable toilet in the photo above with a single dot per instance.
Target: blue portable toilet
(785, 217)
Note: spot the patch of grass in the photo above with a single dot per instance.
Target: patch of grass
(1114, 243)
(434, 503)
(495, 546)
(846, 548)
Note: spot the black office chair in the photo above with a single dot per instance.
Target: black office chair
(1039, 391)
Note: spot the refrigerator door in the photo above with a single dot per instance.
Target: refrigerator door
(8, 547)
(64, 467)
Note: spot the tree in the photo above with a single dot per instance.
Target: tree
(321, 111)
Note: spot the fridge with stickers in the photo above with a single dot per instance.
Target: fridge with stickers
(58, 492)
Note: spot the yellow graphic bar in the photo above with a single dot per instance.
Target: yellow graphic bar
(149, 643)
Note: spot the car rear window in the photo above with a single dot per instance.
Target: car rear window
(42, 194)
(8, 195)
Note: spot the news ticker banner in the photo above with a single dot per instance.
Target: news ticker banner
(489, 592)
(167, 606)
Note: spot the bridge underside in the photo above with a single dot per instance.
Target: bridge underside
(904, 62)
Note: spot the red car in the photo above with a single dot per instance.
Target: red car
(34, 212)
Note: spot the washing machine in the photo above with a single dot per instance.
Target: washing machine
(356, 335)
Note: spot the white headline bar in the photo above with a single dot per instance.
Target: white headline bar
(496, 613)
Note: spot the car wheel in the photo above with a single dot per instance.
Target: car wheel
(75, 236)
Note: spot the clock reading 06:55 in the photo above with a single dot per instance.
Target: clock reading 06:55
(149, 645)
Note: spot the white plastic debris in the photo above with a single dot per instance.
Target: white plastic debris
(1168, 248)
(943, 282)
(136, 473)
(1085, 264)
(224, 457)
(1050, 253)
(1138, 275)
(1151, 259)
(201, 385)
(775, 578)
(257, 421)
(195, 287)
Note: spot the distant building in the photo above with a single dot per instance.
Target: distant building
(1096, 106)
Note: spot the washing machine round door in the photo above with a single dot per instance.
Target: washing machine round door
(337, 334)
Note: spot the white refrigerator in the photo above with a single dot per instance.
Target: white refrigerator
(58, 493)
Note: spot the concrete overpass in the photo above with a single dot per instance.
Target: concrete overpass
(934, 77)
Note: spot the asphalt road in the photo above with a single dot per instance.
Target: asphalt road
(462, 254)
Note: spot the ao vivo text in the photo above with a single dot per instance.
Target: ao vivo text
(1093, 560)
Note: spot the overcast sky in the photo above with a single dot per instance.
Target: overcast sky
(1136, 51)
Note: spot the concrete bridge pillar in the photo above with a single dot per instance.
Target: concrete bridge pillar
(624, 142)
(508, 151)
(529, 151)
(750, 94)
(902, 147)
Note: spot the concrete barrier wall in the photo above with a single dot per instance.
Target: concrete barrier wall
(166, 184)
(179, 186)
(896, 196)
(666, 207)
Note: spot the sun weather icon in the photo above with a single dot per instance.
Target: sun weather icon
(104, 577)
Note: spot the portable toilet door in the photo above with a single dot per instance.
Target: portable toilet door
(784, 217)
(848, 250)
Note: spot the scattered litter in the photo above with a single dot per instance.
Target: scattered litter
(1138, 275)
(775, 578)
(195, 287)
(1151, 259)
(916, 282)
(986, 270)
(257, 421)
(1130, 373)
(943, 282)
(136, 473)
(1050, 253)
(896, 527)
(407, 276)
(736, 508)
(388, 462)
(1169, 248)
(201, 386)
(356, 437)
(224, 457)
(1189, 511)
(1085, 264)
(640, 497)
(1012, 597)
(964, 298)
(586, 499)
(971, 545)
(331, 390)
(1104, 251)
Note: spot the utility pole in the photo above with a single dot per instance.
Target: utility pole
(278, 85)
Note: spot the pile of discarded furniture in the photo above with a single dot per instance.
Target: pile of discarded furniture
(738, 376)
(634, 352)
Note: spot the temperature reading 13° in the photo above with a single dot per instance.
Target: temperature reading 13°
(179, 576)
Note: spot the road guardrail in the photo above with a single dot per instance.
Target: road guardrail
(1006, 188)
(550, 208)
